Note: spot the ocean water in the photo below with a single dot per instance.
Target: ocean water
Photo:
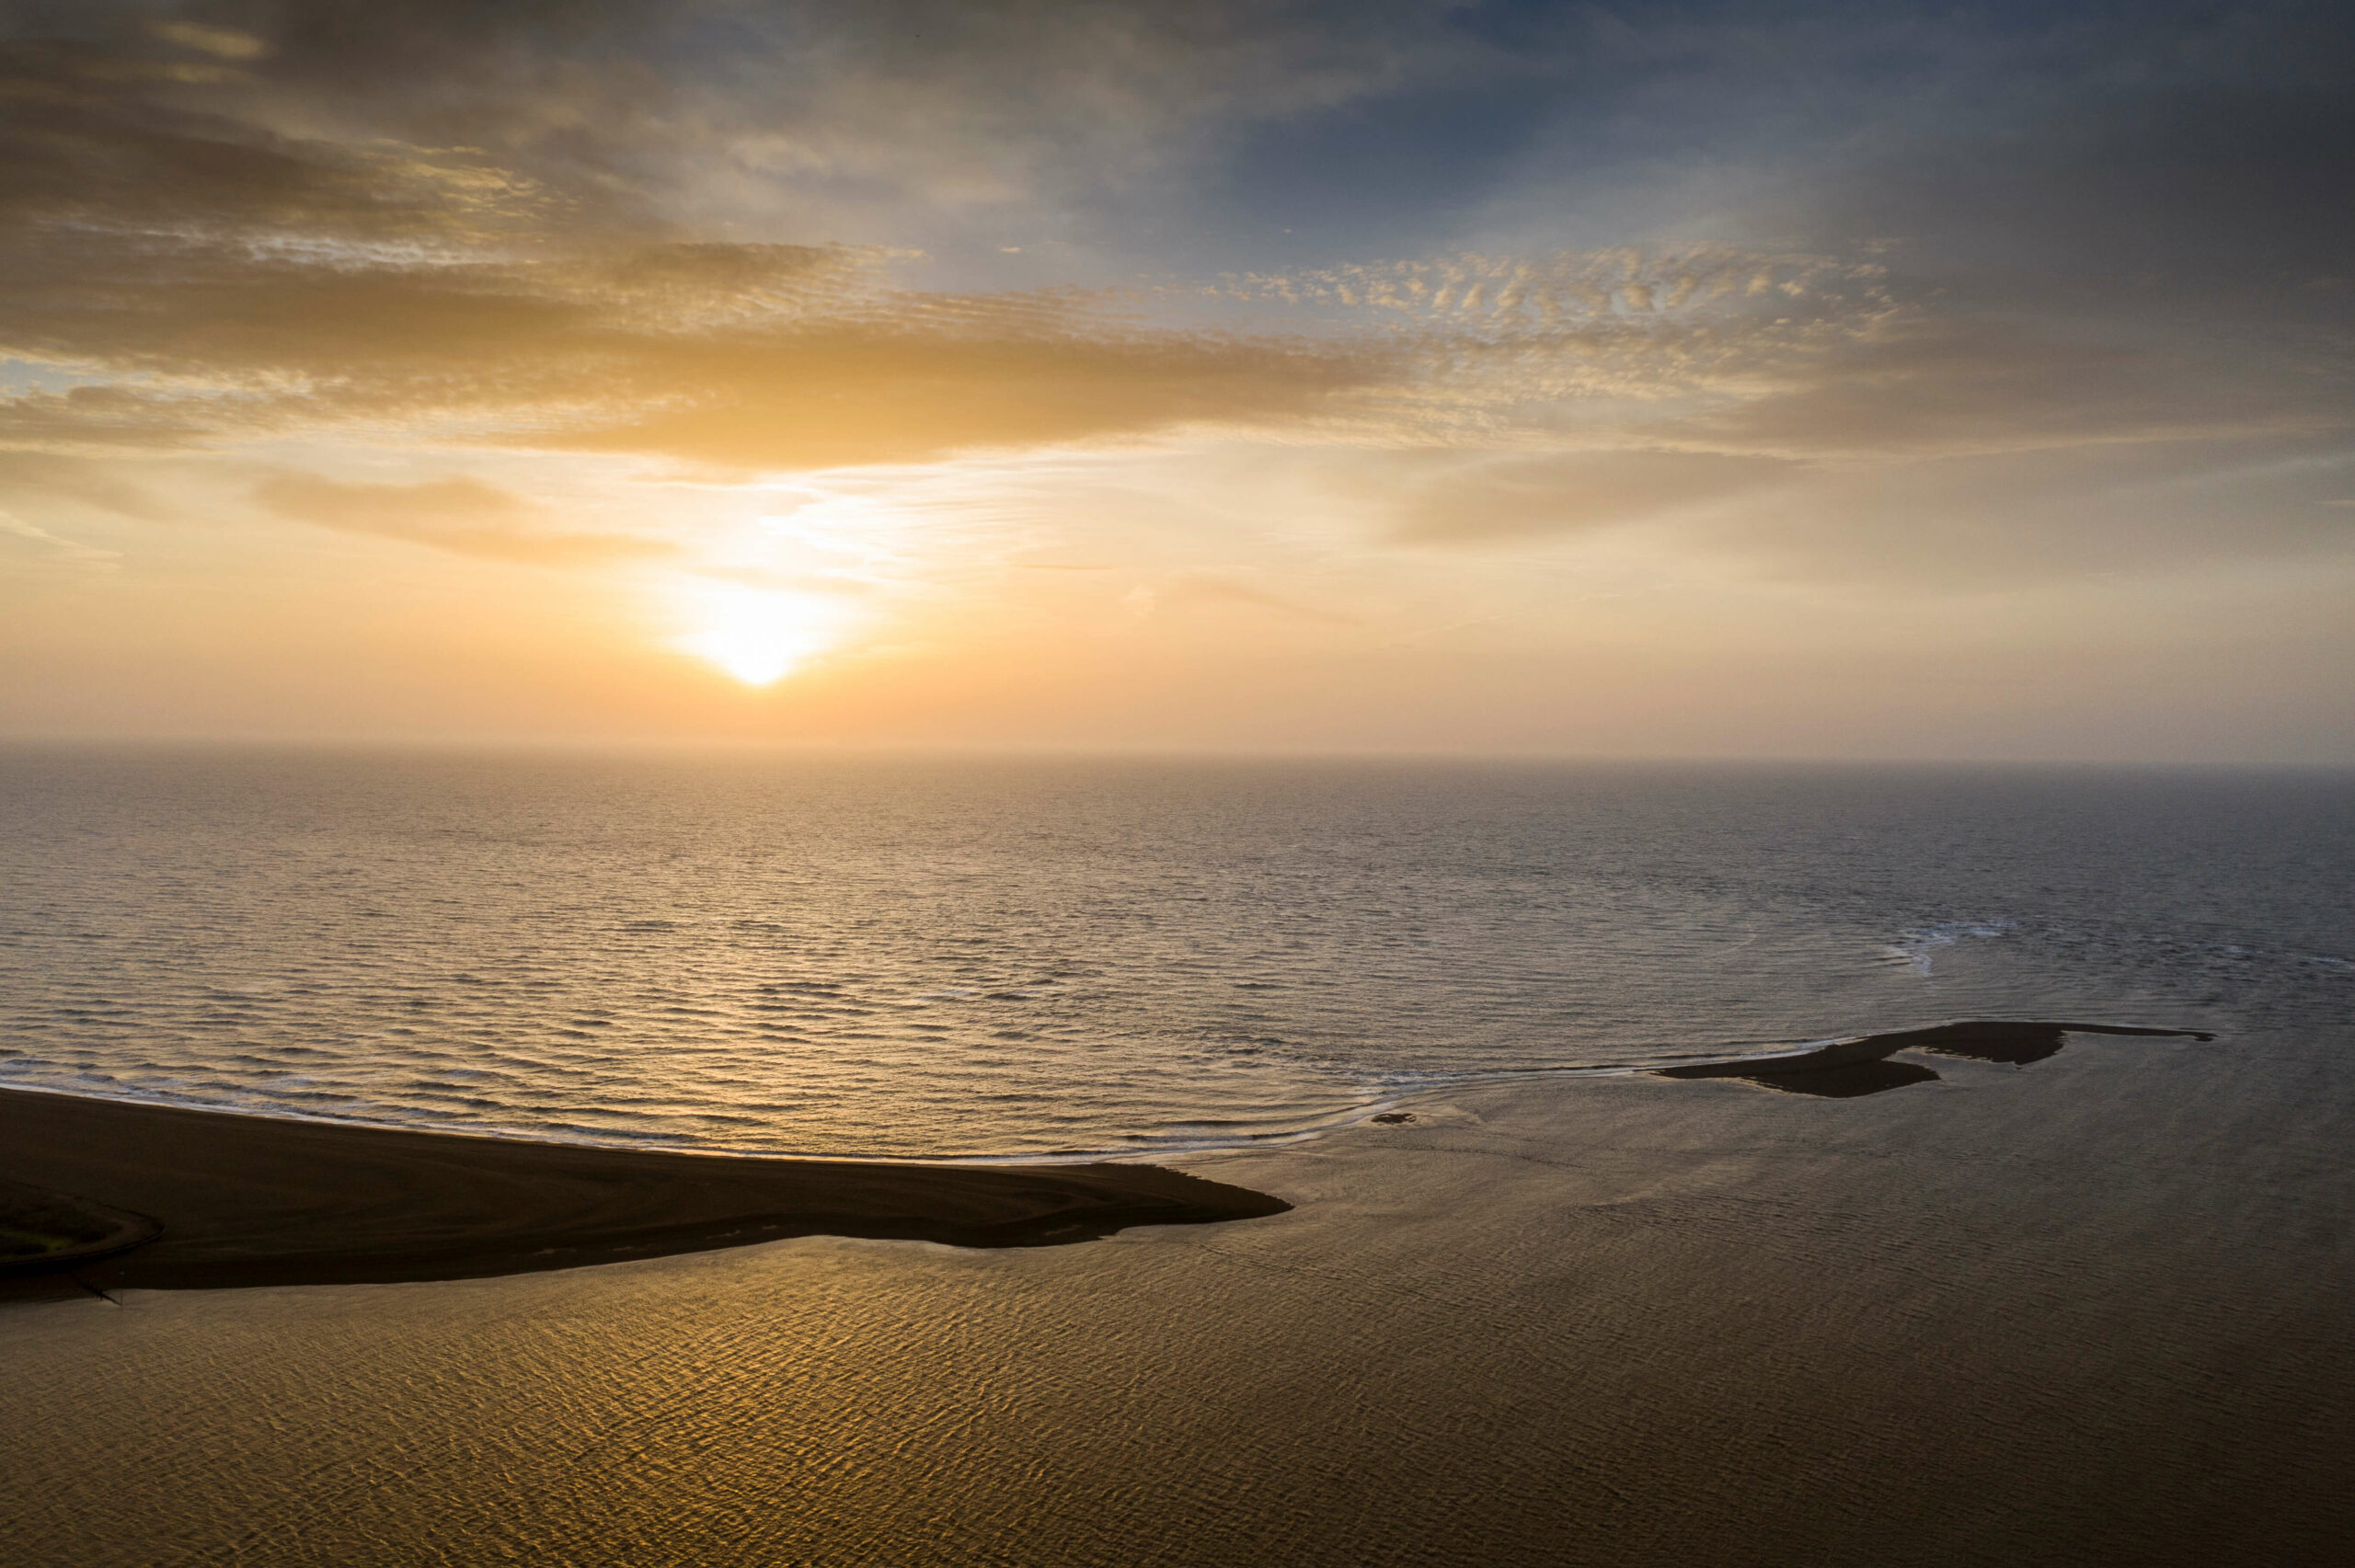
(929, 958)
(2090, 1310)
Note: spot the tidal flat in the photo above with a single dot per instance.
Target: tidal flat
(2088, 1309)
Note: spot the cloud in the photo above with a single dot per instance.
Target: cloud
(826, 397)
(1993, 522)
(2184, 203)
(1911, 383)
(740, 356)
(91, 484)
(17, 531)
(1744, 324)
(226, 44)
(1510, 498)
(778, 121)
(1509, 297)
(1221, 588)
(97, 137)
(463, 516)
(426, 222)
(218, 279)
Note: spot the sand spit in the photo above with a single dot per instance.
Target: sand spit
(1845, 1068)
(252, 1200)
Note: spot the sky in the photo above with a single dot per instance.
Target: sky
(1842, 381)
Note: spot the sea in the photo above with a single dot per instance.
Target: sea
(1530, 1304)
(1053, 957)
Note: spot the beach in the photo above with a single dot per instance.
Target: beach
(2089, 1309)
(247, 1200)
(167, 1197)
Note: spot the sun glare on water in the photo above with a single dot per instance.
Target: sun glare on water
(759, 637)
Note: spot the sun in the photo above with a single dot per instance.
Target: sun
(759, 637)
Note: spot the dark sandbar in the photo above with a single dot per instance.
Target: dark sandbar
(254, 1200)
(1845, 1068)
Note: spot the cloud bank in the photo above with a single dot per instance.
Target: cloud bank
(1928, 300)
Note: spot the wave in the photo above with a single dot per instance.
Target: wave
(1840, 1067)
(1917, 946)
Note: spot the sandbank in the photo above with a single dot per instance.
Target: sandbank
(245, 1200)
(1859, 1065)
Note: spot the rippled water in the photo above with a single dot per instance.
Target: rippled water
(938, 957)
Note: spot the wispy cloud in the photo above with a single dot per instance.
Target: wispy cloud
(464, 515)
(68, 551)
(1225, 588)
(218, 278)
(1502, 499)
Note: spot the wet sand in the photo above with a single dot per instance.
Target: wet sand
(2091, 1313)
(161, 1197)
(252, 1200)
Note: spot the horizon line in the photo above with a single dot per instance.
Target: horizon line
(589, 746)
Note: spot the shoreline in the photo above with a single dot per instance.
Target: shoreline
(1782, 1065)
(219, 1199)
(1147, 1151)
(245, 1200)
(1514, 1331)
